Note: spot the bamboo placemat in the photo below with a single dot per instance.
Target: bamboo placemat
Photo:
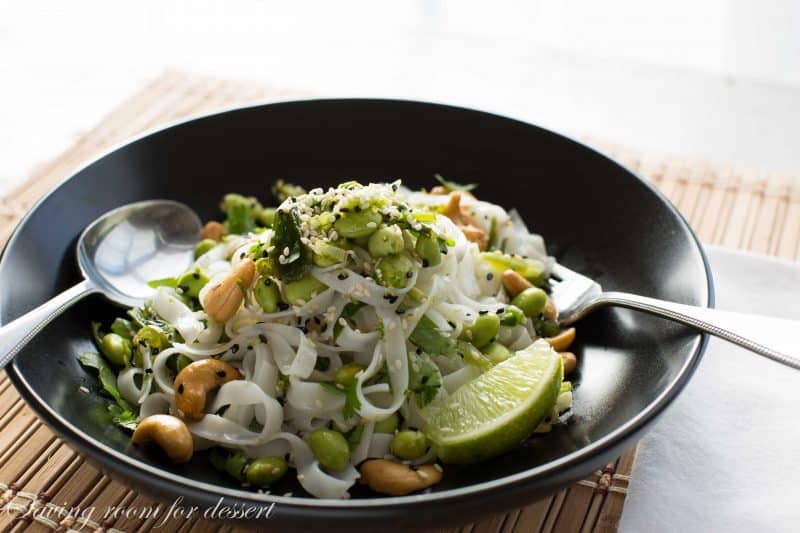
(45, 485)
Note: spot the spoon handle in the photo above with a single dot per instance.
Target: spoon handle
(773, 338)
(17, 333)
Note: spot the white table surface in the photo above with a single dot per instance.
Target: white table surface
(717, 80)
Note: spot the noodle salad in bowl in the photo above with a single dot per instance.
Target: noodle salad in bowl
(363, 333)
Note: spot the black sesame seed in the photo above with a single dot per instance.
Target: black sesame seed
(317, 320)
(148, 370)
(249, 347)
(196, 275)
(234, 348)
(221, 373)
(183, 288)
(180, 388)
(419, 351)
(394, 186)
(241, 255)
(342, 276)
(263, 338)
(400, 311)
(409, 274)
(501, 310)
(482, 312)
(283, 306)
(413, 467)
(344, 210)
(424, 379)
(425, 263)
(264, 253)
(489, 276)
(452, 325)
(357, 209)
(324, 328)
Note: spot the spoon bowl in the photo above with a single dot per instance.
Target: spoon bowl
(118, 254)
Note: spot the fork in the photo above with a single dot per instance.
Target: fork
(576, 295)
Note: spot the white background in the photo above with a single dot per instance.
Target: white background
(716, 79)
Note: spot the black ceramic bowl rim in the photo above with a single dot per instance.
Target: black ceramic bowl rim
(135, 469)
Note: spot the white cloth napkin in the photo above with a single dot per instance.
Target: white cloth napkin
(726, 455)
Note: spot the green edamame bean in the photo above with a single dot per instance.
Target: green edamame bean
(358, 224)
(117, 349)
(191, 282)
(547, 328)
(512, 316)
(151, 336)
(204, 246)
(236, 465)
(483, 330)
(394, 270)
(532, 301)
(427, 248)
(182, 362)
(267, 294)
(330, 448)
(387, 240)
(346, 375)
(408, 444)
(303, 289)
(388, 425)
(266, 470)
(496, 352)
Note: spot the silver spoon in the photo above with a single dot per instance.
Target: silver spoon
(118, 254)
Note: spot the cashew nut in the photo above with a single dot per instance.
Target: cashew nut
(212, 230)
(397, 479)
(223, 299)
(514, 283)
(196, 380)
(550, 311)
(460, 215)
(570, 362)
(563, 340)
(169, 433)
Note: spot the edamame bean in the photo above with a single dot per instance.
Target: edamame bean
(117, 349)
(330, 448)
(151, 336)
(266, 470)
(531, 301)
(346, 375)
(427, 248)
(394, 270)
(496, 352)
(357, 224)
(267, 294)
(123, 328)
(235, 465)
(409, 444)
(191, 282)
(303, 289)
(204, 246)
(547, 328)
(512, 316)
(388, 425)
(483, 330)
(387, 240)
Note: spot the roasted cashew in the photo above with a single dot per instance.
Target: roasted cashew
(223, 299)
(514, 283)
(563, 340)
(212, 230)
(459, 214)
(570, 362)
(169, 433)
(550, 311)
(196, 380)
(397, 479)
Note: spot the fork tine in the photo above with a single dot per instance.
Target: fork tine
(572, 292)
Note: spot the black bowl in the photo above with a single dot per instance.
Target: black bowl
(596, 216)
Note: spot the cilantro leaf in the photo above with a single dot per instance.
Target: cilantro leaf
(424, 378)
(351, 401)
(122, 413)
(432, 339)
(453, 186)
(291, 266)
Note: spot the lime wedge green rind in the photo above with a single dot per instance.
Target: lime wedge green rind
(496, 411)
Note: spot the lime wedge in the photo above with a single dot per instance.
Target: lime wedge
(496, 411)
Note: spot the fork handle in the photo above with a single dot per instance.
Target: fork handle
(763, 335)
